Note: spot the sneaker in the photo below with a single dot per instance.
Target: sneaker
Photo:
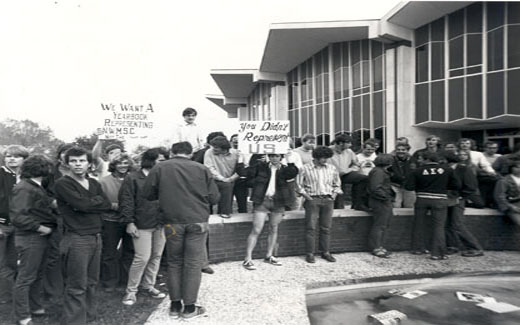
(175, 310)
(438, 257)
(310, 258)
(472, 253)
(272, 260)
(207, 270)
(154, 293)
(198, 312)
(328, 257)
(26, 321)
(225, 216)
(452, 250)
(380, 252)
(248, 265)
(38, 312)
(129, 299)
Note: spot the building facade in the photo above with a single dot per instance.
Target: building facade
(444, 68)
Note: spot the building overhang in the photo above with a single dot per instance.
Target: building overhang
(230, 105)
(240, 83)
(502, 121)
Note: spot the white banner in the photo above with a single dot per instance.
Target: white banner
(126, 121)
(264, 137)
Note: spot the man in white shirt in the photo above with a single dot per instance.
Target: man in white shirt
(305, 150)
(366, 158)
(189, 131)
(490, 151)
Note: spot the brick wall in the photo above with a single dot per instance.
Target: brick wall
(349, 233)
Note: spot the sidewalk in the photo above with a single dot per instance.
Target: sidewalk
(276, 295)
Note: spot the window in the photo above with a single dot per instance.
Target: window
(495, 15)
(421, 103)
(474, 96)
(513, 95)
(437, 101)
(421, 59)
(456, 99)
(496, 49)
(495, 98)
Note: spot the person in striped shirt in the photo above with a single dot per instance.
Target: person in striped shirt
(319, 184)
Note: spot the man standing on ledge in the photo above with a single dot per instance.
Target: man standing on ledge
(185, 189)
(189, 131)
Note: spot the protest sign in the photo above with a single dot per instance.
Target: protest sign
(407, 294)
(126, 121)
(473, 297)
(264, 137)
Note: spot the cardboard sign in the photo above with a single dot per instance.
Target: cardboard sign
(126, 121)
(264, 137)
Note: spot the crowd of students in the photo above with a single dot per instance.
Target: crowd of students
(67, 226)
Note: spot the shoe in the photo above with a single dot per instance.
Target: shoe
(154, 293)
(438, 257)
(381, 252)
(310, 258)
(175, 310)
(198, 312)
(420, 252)
(472, 253)
(272, 260)
(452, 250)
(129, 299)
(207, 270)
(328, 257)
(26, 321)
(38, 312)
(248, 265)
(225, 216)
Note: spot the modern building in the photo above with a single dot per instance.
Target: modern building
(446, 68)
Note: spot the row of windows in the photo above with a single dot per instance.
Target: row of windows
(259, 103)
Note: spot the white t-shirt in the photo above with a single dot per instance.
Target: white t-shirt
(367, 163)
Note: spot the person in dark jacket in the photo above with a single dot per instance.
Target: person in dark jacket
(81, 202)
(185, 189)
(270, 195)
(380, 197)
(13, 158)
(431, 182)
(458, 237)
(145, 224)
(33, 216)
(402, 165)
(507, 192)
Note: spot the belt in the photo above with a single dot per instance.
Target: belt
(328, 196)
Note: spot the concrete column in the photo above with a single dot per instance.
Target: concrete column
(390, 104)
(280, 100)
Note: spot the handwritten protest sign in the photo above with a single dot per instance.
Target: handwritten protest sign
(264, 137)
(126, 121)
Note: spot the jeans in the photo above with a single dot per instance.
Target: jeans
(457, 235)
(81, 259)
(225, 205)
(382, 213)
(28, 286)
(359, 190)
(318, 208)
(52, 276)
(438, 208)
(403, 198)
(240, 191)
(185, 247)
(147, 259)
(115, 264)
(7, 261)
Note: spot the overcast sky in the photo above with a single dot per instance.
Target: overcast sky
(61, 59)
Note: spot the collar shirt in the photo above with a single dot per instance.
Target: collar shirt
(271, 188)
(190, 133)
(344, 161)
(221, 166)
(318, 180)
(478, 159)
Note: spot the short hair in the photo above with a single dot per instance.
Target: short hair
(77, 152)
(183, 148)
(220, 142)
(17, 151)
(113, 146)
(275, 154)
(490, 143)
(471, 141)
(342, 138)
(189, 111)
(405, 145)
(433, 136)
(35, 166)
(384, 160)
(232, 136)
(374, 140)
(322, 152)
(431, 156)
(213, 135)
(118, 160)
(150, 156)
(371, 143)
(402, 139)
(451, 157)
(307, 136)
(62, 148)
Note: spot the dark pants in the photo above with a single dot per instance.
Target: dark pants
(28, 286)
(81, 257)
(225, 205)
(7, 262)
(185, 244)
(438, 209)
(359, 190)
(240, 191)
(457, 235)
(382, 212)
(486, 185)
(114, 264)
(52, 276)
(318, 208)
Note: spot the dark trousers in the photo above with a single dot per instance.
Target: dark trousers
(225, 205)
(7, 262)
(28, 286)
(81, 257)
(318, 209)
(185, 247)
(438, 209)
(486, 185)
(359, 190)
(52, 276)
(382, 212)
(240, 192)
(457, 235)
(115, 264)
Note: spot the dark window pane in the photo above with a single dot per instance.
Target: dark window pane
(513, 95)
(377, 49)
(366, 112)
(297, 131)
(474, 18)
(337, 84)
(356, 113)
(421, 64)
(345, 82)
(513, 50)
(356, 140)
(319, 89)
(356, 76)
(291, 121)
(337, 116)
(336, 56)
(495, 95)
(378, 109)
(345, 46)
(456, 23)
(318, 62)
(472, 70)
(496, 49)
(377, 67)
(305, 120)
(421, 35)
(421, 103)
(325, 58)
(326, 118)
(312, 122)
(455, 73)
(474, 49)
(437, 105)
(379, 134)
(495, 14)
(456, 99)
(513, 12)
(437, 61)
(456, 52)
(366, 73)
(474, 96)
(364, 50)
(346, 116)
(326, 87)
(355, 54)
(437, 28)
(319, 119)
